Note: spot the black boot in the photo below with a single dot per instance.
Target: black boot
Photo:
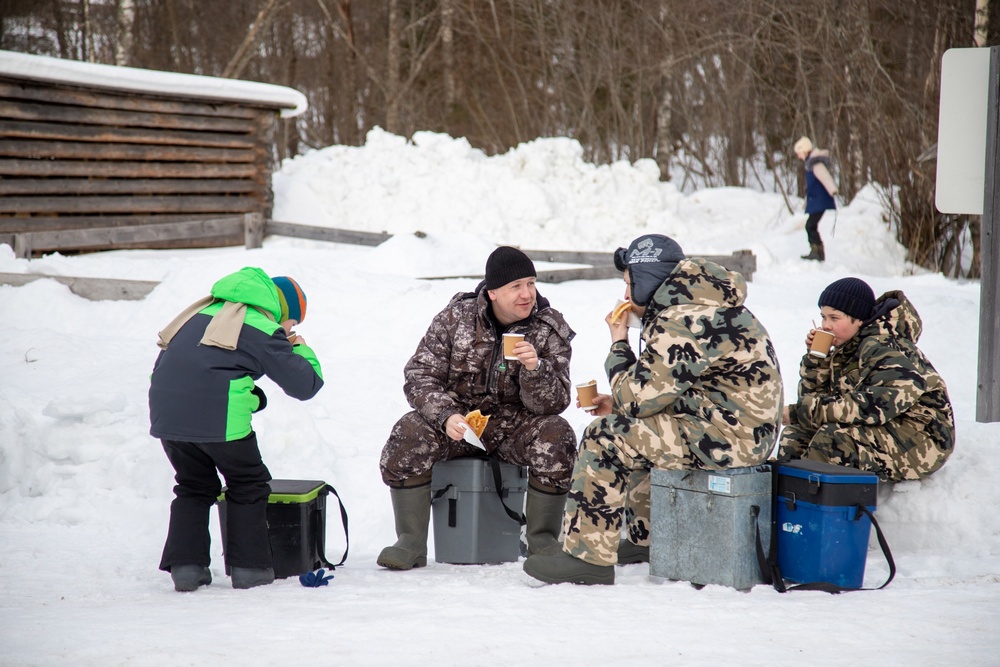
(630, 553)
(815, 252)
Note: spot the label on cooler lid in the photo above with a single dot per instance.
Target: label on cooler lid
(719, 484)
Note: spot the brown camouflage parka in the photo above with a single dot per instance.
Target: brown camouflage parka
(458, 367)
(876, 403)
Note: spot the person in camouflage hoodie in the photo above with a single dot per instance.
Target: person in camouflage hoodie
(875, 403)
(458, 367)
(705, 393)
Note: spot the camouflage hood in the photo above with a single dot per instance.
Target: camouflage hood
(699, 282)
(894, 316)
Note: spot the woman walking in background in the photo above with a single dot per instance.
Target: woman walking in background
(820, 190)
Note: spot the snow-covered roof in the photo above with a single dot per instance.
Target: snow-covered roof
(289, 101)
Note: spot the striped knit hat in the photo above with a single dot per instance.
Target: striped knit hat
(292, 298)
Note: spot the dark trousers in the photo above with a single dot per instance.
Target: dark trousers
(198, 488)
(812, 228)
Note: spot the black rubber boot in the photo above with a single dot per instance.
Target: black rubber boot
(412, 510)
(561, 568)
(188, 578)
(630, 553)
(816, 252)
(249, 577)
(544, 515)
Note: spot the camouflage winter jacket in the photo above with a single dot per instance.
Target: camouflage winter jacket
(707, 361)
(880, 377)
(459, 366)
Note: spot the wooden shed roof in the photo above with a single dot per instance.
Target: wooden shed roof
(287, 101)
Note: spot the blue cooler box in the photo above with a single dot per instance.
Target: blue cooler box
(822, 536)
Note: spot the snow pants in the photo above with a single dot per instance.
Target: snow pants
(198, 487)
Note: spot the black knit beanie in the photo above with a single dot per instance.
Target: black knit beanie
(852, 296)
(505, 265)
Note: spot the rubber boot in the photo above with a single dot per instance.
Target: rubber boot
(411, 508)
(816, 252)
(561, 568)
(188, 578)
(544, 515)
(630, 553)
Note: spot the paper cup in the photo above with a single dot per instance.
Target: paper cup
(587, 392)
(509, 341)
(821, 344)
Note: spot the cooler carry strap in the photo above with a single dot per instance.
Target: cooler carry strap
(498, 483)
(347, 540)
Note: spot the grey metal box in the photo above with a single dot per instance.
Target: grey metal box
(704, 525)
(470, 523)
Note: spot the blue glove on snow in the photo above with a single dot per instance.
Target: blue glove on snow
(315, 579)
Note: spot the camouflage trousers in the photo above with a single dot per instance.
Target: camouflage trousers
(611, 482)
(545, 444)
(895, 451)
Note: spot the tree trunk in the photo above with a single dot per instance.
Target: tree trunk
(447, 39)
(88, 38)
(982, 22)
(393, 65)
(125, 13)
(242, 56)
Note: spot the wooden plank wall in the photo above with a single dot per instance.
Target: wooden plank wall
(76, 159)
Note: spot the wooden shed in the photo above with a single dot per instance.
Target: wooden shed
(97, 156)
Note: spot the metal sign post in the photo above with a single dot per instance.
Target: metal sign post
(988, 394)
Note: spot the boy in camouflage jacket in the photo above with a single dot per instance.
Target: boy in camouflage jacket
(705, 393)
(875, 403)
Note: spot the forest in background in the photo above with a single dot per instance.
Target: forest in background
(715, 91)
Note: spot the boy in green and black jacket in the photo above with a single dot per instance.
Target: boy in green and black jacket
(201, 398)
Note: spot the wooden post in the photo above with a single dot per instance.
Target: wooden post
(22, 245)
(254, 230)
(988, 394)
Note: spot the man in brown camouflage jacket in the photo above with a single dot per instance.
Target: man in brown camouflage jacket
(459, 367)
(705, 393)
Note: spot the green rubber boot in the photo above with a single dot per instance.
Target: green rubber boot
(561, 568)
(544, 515)
(411, 508)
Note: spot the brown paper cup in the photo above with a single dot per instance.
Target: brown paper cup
(587, 392)
(509, 341)
(822, 342)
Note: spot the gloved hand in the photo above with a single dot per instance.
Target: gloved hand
(259, 393)
(315, 579)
